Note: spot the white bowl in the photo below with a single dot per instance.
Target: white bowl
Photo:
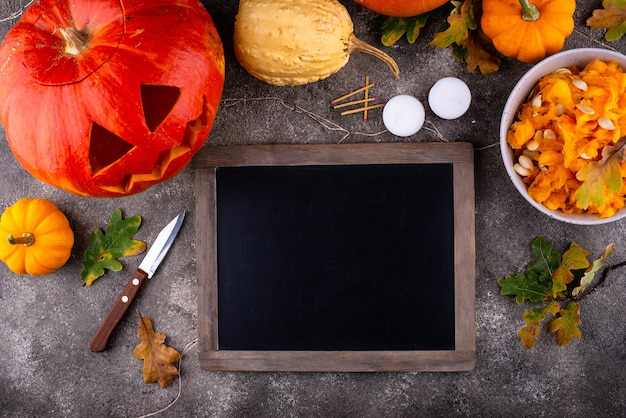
(573, 57)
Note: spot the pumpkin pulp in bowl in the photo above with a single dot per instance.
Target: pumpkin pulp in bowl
(561, 136)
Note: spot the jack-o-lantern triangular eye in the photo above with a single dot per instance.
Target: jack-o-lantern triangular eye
(105, 148)
(158, 101)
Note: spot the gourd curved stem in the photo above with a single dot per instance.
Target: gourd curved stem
(27, 239)
(530, 12)
(76, 41)
(357, 45)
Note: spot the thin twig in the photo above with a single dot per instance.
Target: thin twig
(327, 124)
(187, 347)
(495, 144)
(17, 13)
(332, 126)
(432, 128)
(601, 43)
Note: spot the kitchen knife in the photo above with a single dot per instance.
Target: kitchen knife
(145, 271)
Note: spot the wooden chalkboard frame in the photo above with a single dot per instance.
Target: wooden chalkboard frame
(459, 154)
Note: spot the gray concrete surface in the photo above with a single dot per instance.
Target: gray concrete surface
(46, 369)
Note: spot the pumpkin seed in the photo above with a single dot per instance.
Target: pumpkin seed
(559, 109)
(549, 134)
(586, 109)
(524, 172)
(533, 155)
(606, 123)
(584, 156)
(537, 101)
(562, 71)
(526, 162)
(533, 144)
(580, 84)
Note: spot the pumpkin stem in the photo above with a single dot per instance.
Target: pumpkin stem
(357, 45)
(76, 41)
(27, 239)
(530, 12)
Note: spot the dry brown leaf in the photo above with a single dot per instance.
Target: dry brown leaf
(157, 357)
(479, 56)
(612, 16)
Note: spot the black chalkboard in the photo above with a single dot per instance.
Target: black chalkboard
(336, 257)
(325, 262)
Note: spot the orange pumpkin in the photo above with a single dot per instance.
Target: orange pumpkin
(35, 237)
(401, 8)
(109, 97)
(528, 30)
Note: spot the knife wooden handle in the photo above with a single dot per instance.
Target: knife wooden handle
(101, 338)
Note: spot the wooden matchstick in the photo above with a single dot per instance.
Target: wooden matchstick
(354, 102)
(367, 91)
(362, 109)
(357, 91)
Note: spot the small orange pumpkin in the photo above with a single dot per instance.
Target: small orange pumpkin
(35, 237)
(525, 30)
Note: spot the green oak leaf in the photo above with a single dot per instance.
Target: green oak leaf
(535, 284)
(392, 29)
(524, 286)
(546, 262)
(107, 247)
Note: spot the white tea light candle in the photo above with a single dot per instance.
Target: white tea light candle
(449, 98)
(403, 115)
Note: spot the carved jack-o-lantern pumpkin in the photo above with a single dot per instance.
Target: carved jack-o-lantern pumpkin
(108, 97)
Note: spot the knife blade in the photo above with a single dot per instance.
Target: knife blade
(146, 270)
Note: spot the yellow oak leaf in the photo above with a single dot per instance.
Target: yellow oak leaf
(533, 318)
(566, 324)
(460, 22)
(591, 271)
(157, 357)
(575, 258)
(600, 176)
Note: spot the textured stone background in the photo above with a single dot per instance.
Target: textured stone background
(46, 323)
